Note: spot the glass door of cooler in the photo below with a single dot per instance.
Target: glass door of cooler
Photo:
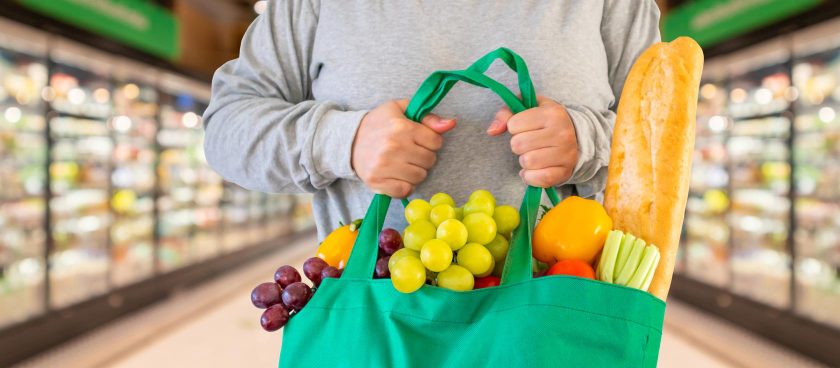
(206, 243)
(80, 176)
(23, 167)
(817, 175)
(133, 128)
(706, 231)
(235, 209)
(759, 170)
(189, 190)
(278, 215)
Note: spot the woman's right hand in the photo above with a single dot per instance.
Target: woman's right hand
(392, 154)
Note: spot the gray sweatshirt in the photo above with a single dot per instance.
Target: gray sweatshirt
(283, 116)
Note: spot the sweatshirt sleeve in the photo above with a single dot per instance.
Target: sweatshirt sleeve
(263, 130)
(627, 29)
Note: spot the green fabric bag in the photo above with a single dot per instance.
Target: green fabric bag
(553, 321)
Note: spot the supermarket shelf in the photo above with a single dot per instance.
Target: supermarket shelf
(775, 114)
(810, 338)
(21, 341)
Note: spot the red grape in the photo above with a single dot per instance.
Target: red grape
(265, 295)
(312, 269)
(390, 241)
(330, 272)
(286, 275)
(381, 271)
(274, 318)
(296, 295)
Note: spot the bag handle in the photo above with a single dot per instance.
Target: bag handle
(430, 93)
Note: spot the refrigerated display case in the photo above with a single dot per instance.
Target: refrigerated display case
(190, 191)
(133, 128)
(107, 203)
(23, 160)
(762, 233)
(817, 180)
(79, 93)
(706, 251)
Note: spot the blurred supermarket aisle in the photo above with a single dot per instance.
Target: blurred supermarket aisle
(216, 326)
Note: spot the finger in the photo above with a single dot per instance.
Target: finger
(531, 140)
(426, 137)
(393, 188)
(547, 177)
(499, 124)
(542, 158)
(419, 156)
(437, 124)
(405, 172)
(531, 119)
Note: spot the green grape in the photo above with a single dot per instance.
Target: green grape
(441, 198)
(480, 228)
(480, 205)
(436, 255)
(507, 219)
(418, 233)
(483, 194)
(459, 213)
(408, 275)
(489, 270)
(456, 278)
(417, 210)
(498, 268)
(400, 254)
(475, 258)
(453, 232)
(498, 248)
(441, 213)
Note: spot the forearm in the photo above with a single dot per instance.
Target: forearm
(271, 145)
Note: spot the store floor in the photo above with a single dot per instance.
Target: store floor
(215, 325)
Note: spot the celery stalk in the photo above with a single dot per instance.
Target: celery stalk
(645, 267)
(632, 263)
(606, 265)
(651, 272)
(624, 252)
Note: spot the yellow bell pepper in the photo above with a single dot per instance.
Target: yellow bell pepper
(336, 248)
(574, 229)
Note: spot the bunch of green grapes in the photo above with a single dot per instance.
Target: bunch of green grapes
(451, 246)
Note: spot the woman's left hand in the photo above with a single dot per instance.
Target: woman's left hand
(544, 139)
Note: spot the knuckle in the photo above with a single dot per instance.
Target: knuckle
(516, 145)
(549, 177)
(525, 161)
(402, 189)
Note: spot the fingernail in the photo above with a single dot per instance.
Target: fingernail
(494, 126)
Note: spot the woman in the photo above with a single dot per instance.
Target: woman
(315, 101)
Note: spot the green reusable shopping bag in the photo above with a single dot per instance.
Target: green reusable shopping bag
(552, 321)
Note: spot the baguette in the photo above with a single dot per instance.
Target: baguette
(652, 145)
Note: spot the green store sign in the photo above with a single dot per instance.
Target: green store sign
(712, 21)
(137, 23)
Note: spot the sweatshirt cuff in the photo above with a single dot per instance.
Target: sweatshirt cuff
(333, 143)
(589, 175)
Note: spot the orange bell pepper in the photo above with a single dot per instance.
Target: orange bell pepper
(574, 229)
(336, 248)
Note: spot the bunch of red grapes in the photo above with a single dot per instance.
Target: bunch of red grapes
(287, 295)
(390, 242)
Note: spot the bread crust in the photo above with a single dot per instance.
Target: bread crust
(652, 146)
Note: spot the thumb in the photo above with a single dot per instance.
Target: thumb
(438, 124)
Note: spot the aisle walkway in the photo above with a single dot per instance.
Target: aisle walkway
(216, 326)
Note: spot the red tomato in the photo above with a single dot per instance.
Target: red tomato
(487, 281)
(572, 267)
